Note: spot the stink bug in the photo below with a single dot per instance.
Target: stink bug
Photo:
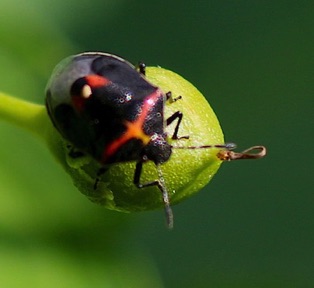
(106, 108)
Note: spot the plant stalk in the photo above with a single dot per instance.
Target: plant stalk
(24, 114)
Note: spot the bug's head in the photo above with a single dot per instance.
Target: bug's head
(158, 149)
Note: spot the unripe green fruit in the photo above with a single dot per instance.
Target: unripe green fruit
(186, 172)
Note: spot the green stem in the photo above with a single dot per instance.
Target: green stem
(24, 114)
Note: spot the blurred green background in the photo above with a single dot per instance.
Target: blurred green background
(252, 226)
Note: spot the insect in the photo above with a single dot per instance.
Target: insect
(106, 108)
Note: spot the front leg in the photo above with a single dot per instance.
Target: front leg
(74, 153)
(170, 98)
(160, 183)
(100, 172)
(142, 68)
(177, 115)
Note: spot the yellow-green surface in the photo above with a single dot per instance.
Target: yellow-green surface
(185, 173)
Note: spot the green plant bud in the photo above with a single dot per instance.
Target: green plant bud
(185, 173)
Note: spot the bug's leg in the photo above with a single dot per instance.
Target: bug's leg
(74, 153)
(176, 116)
(142, 68)
(170, 98)
(100, 172)
(160, 183)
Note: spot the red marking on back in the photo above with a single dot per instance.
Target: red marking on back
(134, 130)
(93, 81)
(96, 81)
(78, 102)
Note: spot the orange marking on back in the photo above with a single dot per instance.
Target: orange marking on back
(134, 130)
(95, 81)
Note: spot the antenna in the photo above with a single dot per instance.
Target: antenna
(254, 152)
(225, 154)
